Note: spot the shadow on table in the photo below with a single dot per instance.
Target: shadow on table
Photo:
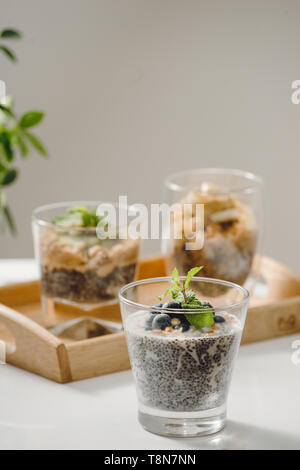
(238, 436)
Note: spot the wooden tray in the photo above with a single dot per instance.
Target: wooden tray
(31, 347)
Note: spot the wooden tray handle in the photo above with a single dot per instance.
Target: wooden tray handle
(272, 320)
(32, 347)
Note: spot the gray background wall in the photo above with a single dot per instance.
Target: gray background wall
(137, 89)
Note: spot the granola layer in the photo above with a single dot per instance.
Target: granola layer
(230, 237)
(77, 266)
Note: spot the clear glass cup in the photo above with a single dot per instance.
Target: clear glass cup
(79, 272)
(231, 227)
(182, 376)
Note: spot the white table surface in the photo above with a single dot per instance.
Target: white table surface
(100, 413)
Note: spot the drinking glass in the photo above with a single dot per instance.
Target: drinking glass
(79, 271)
(227, 239)
(182, 377)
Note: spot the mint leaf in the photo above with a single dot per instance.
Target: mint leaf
(89, 219)
(200, 320)
(161, 297)
(190, 296)
(175, 280)
(80, 216)
(188, 299)
(103, 221)
(74, 210)
(175, 275)
(178, 296)
(68, 220)
(190, 274)
(204, 319)
(194, 303)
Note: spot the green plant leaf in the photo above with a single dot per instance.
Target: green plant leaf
(9, 53)
(22, 146)
(190, 274)
(10, 220)
(7, 111)
(8, 177)
(31, 119)
(9, 33)
(2, 200)
(36, 143)
(2, 168)
(5, 140)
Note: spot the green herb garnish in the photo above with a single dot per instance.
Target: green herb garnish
(188, 300)
(201, 320)
(80, 216)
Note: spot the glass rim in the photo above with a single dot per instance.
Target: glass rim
(247, 175)
(37, 212)
(208, 280)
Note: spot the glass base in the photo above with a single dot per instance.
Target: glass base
(59, 311)
(190, 424)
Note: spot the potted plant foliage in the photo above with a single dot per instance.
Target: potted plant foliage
(16, 136)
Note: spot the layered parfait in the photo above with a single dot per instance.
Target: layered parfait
(182, 361)
(230, 235)
(77, 266)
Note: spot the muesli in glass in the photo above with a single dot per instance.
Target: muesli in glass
(77, 268)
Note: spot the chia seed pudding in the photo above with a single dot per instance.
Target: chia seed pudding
(178, 370)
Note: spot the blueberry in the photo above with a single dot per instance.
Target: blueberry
(179, 321)
(207, 304)
(184, 325)
(219, 319)
(148, 321)
(161, 321)
(150, 317)
(172, 305)
(155, 306)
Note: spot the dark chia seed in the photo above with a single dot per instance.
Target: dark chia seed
(87, 286)
(186, 373)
